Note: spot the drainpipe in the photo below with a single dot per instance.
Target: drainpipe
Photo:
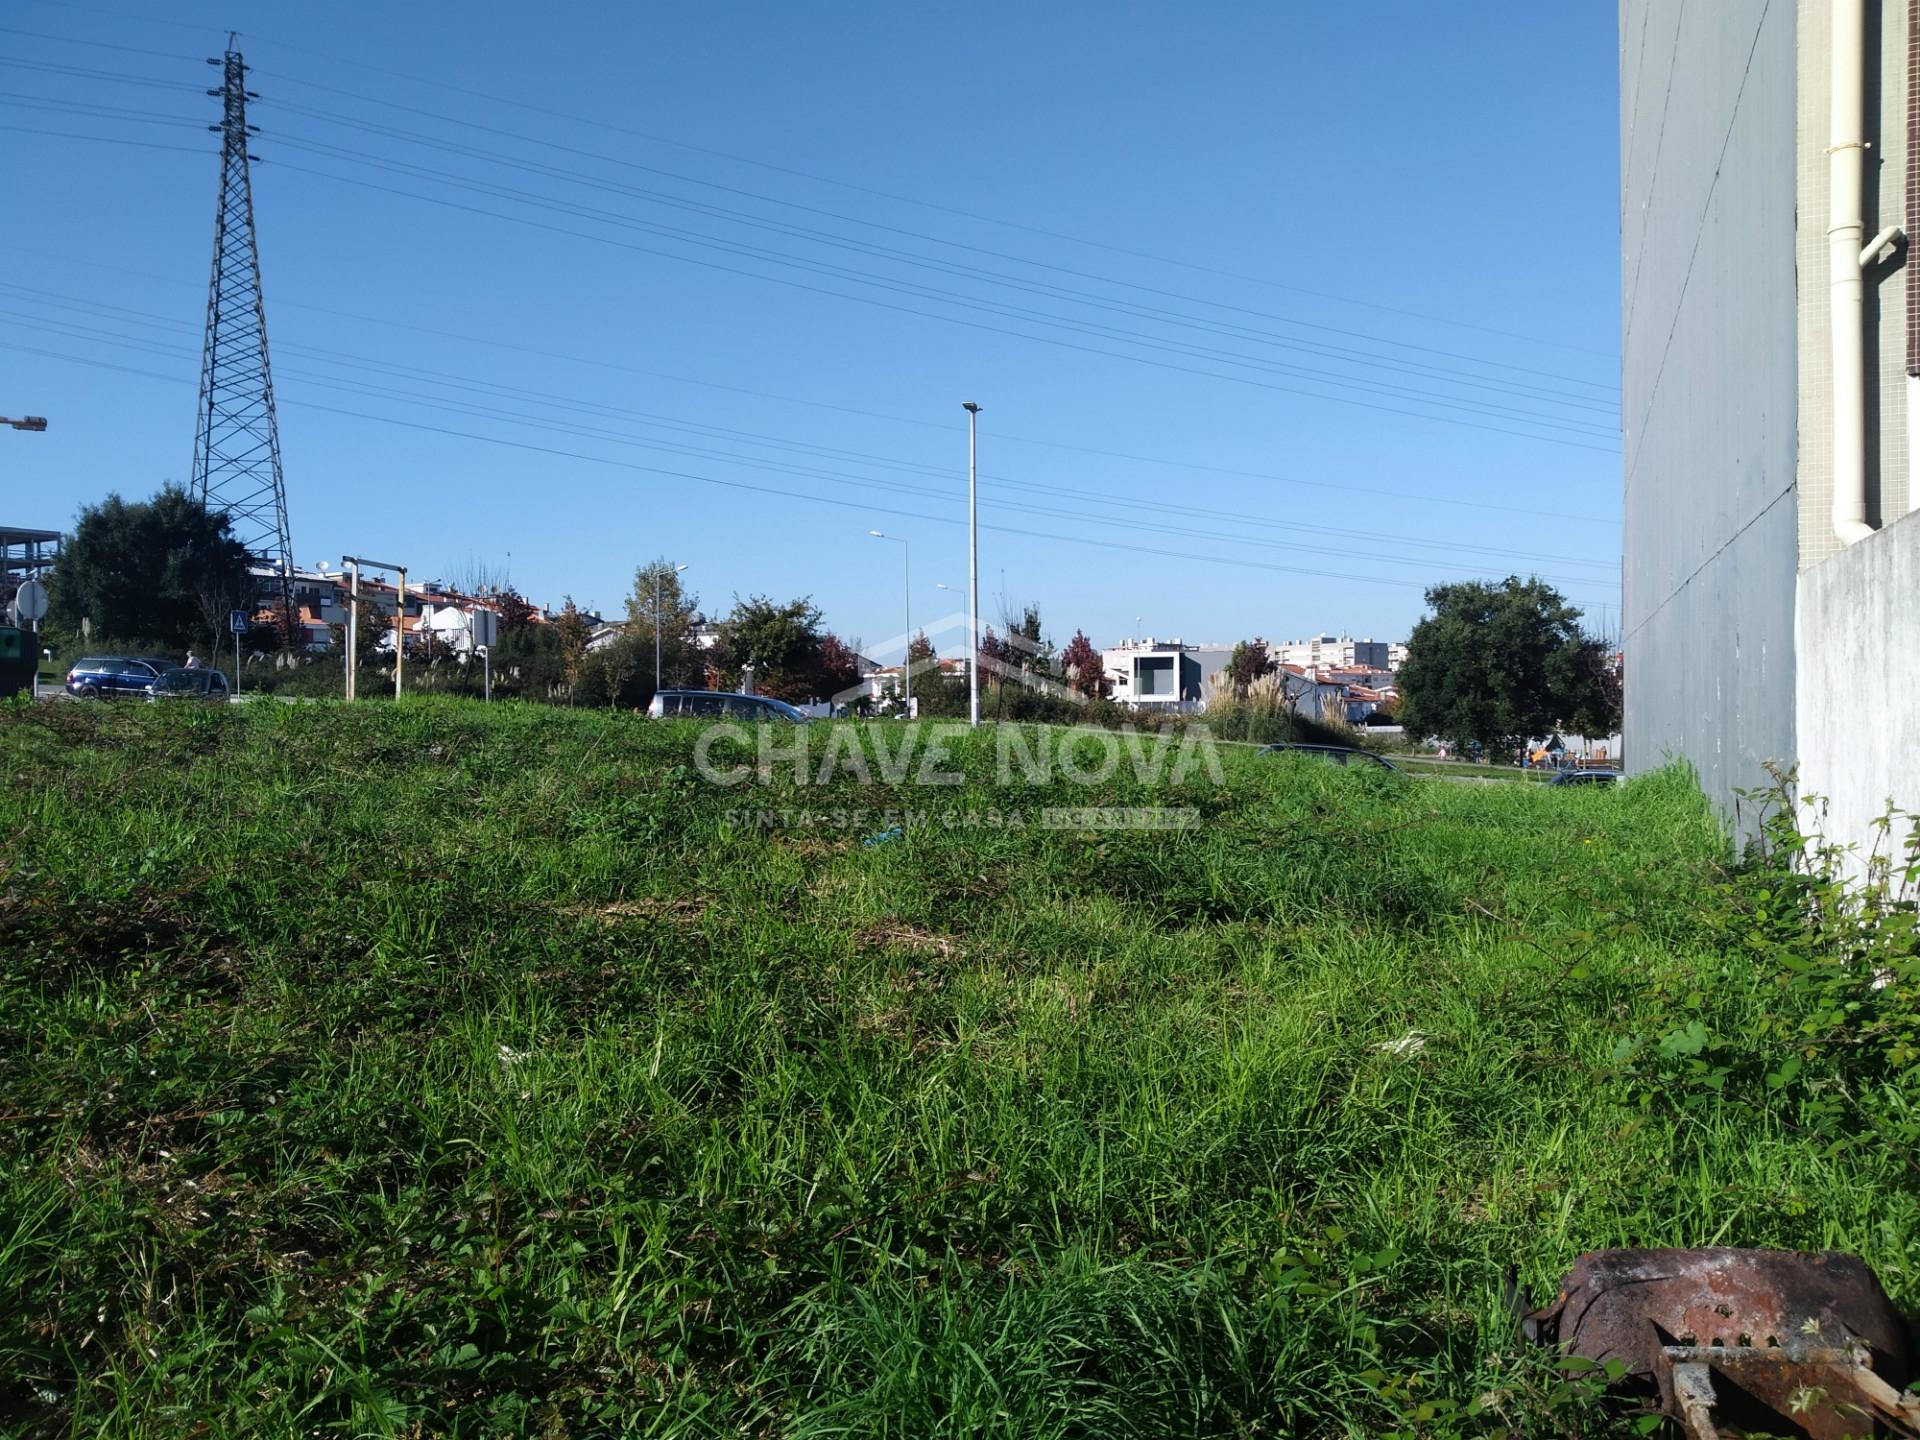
(1847, 260)
(1846, 157)
(1913, 228)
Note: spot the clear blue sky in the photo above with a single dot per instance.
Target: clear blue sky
(1410, 206)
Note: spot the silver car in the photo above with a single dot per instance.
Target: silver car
(722, 705)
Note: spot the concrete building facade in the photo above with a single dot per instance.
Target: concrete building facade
(1762, 626)
(1164, 674)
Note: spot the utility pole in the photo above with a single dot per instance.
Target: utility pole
(657, 577)
(353, 564)
(906, 576)
(236, 446)
(973, 566)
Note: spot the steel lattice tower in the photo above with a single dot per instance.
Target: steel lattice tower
(236, 448)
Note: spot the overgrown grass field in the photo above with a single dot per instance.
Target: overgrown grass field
(436, 1069)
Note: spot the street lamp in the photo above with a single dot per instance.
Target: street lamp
(906, 574)
(657, 577)
(973, 566)
(26, 422)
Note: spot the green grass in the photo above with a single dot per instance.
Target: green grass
(425, 1068)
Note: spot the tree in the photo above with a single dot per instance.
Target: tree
(838, 666)
(1083, 668)
(476, 577)
(1600, 699)
(1250, 660)
(515, 610)
(570, 630)
(145, 571)
(1501, 663)
(680, 658)
(528, 658)
(1026, 649)
(780, 641)
(995, 654)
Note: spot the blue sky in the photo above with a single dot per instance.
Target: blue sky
(1277, 313)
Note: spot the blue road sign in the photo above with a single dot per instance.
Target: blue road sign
(237, 621)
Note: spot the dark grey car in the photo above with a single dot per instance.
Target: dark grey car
(1594, 776)
(194, 684)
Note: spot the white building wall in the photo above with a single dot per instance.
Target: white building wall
(1858, 707)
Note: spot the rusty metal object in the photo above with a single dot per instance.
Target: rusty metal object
(1730, 1342)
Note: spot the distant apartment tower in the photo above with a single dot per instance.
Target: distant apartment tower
(1341, 650)
(1770, 184)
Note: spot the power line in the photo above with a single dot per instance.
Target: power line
(625, 163)
(494, 412)
(77, 72)
(447, 379)
(573, 119)
(1346, 488)
(1342, 353)
(701, 240)
(932, 315)
(1051, 537)
(1047, 319)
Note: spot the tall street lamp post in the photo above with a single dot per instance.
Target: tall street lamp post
(973, 566)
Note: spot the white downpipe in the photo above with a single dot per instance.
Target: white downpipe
(1846, 164)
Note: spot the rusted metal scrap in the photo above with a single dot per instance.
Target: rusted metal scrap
(1741, 1342)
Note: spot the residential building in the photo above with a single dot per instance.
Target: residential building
(1335, 650)
(1167, 674)
(1771, 552)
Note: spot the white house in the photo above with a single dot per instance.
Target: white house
(1164, 674)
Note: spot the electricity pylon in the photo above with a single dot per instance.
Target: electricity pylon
(236, 448)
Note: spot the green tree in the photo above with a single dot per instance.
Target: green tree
(681, 662)
(146, 572)
(527, 659)
(780, 641)
(1250, 660)
(1500, 663)
(570, 630)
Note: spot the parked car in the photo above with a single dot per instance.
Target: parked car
(195, 684)
(108, 677)
(1333, 754)
(723, 705)
(1596, 776)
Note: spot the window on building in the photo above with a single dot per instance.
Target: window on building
(1154, 676)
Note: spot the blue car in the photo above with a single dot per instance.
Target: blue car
(114, 677)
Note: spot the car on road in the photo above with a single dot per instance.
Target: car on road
(109, 677)
(723, 705)
(1333, 755)
(194, 684)
(1596, 776)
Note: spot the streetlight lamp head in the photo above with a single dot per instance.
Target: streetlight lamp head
(970, 407)
(877, 534)
(678, 568)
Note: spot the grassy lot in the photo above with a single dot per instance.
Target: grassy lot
(434, 1069)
